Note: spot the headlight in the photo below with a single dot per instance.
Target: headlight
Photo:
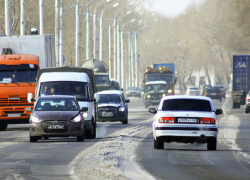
(170, 91)
(78, 118)
(35, 119)
(148, 96)
(163, 95)
(85, 114)
(122, 109)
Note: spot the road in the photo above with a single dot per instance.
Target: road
(126, 152)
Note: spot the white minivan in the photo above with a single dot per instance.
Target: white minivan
(77, 81)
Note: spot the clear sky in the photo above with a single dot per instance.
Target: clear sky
(171, 7)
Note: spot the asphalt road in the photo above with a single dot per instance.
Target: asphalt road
(53, 158)
(193, 161)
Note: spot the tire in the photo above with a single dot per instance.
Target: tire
(211, 144)
(89, 133)
(158, 143)
(94, 132)
(3, 126)
(81, 138)
(246, 111)
(125, 122)
(33, 138)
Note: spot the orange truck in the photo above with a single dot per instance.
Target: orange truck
(21, 58)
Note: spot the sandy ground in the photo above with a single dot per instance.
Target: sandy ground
(113, 157)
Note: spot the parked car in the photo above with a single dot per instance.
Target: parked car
(133, 91)
(57, 116)
(214, 93)
(112, 106)
(193, 91)
(185, 119)
(247, 103)
(223, 90)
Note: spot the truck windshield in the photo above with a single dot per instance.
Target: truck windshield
(78, 89)
(160, 77)
(18, 75)
(156, 87)
(101, 79)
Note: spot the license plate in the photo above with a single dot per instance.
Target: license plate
(14, 115)
(213, 93)
(187, 120)
(55, 126)
(107, 114)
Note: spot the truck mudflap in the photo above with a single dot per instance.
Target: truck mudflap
(236, 99)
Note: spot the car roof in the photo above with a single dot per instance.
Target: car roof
(186, 97)
(110, 92)
(155, 82)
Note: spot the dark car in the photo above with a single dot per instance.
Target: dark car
(57, 116)
(214, 93)
(112, 106)
(223, 90)
(204, 89)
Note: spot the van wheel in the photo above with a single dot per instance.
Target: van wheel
(94, 133)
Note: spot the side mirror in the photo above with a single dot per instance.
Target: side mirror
(84, 109)
(93, 99)
(28, 109)
(127, 100)
(218, 111)
(152, 110)
(30, 98)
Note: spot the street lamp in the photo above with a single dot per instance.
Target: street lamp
(101, 29)
(95, 27)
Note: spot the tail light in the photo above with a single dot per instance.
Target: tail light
(219, 93)
(207, 121)
(206, 93)
(166, 120)
(247, 98)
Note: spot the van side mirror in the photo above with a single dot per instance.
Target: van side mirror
(30, 98)
(127, 100)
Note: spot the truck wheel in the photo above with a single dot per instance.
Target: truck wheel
(158, 143)
(211, 143)
(3, 126)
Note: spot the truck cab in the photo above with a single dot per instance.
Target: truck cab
(153, 92)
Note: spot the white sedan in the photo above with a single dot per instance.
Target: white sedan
(185, 119)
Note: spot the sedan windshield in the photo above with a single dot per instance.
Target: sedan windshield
(186, 105)
(110, 98)
(56, 105)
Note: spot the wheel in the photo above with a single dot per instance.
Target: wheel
(246, 111)
(89, 133)
(81, 138)
(211, 143)
(3, 126)
(94, 133)
(125, 122)
(158, 143)
(33, 138)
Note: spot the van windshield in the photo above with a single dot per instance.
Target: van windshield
(78, 89)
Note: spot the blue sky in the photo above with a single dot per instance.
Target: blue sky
(170, 7)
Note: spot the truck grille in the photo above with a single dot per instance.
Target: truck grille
(6, 101)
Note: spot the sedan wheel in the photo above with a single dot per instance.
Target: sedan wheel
(33, 139)
(211, 143)
(159, 143)
(125, 122)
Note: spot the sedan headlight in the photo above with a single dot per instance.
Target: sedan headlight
(148, 96)
(78, 118)
(35, 119)
(122, 109)
(170, 91)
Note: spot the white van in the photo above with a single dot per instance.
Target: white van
(76, 81)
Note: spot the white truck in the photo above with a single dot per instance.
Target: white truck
(42, 46)
(67, 81)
